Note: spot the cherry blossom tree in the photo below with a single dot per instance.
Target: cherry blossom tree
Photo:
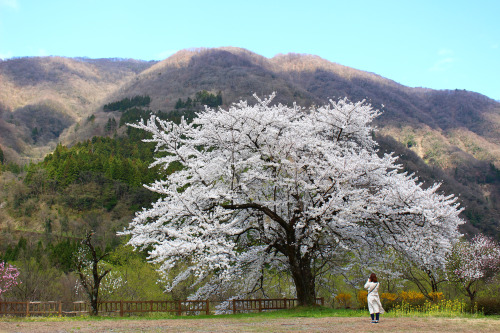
(8, 277)
(272, 187)
(471, 263)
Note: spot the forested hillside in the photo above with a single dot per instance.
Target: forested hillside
(46, 209)
(76, 110)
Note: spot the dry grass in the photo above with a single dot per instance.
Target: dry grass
(261, 324)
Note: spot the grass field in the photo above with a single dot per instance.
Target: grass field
(302, 320)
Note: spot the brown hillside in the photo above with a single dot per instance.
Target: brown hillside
(42, 97)
(236, 72)
(309, 79)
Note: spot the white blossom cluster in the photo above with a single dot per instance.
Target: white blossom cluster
(111, 282)
(269, 186)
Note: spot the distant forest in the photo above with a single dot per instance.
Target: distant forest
(128, 103)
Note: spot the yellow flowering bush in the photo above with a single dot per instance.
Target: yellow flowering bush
(412, 297)
(344, 300)
(388, 296)
(363, 302)
(410, 302)
(388, 300)
(436, 296)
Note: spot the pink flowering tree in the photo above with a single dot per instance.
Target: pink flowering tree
(471, 263)
(8, 277)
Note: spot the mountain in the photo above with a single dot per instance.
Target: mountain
(306, 79)
(443, 127)
(451, 136)
(41, 97)
(454, 131)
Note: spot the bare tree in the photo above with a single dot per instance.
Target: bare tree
(90, 272)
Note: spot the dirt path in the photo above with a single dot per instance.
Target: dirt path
(329, 324)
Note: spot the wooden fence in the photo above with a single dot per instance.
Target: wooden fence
(127, 307)
(243, 305)
(31, 308)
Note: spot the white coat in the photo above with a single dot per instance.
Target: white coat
(374, 305)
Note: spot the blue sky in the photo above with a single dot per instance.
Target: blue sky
(438, 44)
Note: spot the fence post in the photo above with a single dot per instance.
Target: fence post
(284, 302)
(27, 308)
(234, 306)
(208, 307)
(151, 306)
(179, 311)
(260, 304)
(60, 308)
(121, 308)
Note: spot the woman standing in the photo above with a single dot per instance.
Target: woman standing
(374, 305)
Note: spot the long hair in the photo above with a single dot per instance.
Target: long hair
(373, 277)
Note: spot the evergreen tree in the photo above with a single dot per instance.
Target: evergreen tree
(219, 98)
(179, 104)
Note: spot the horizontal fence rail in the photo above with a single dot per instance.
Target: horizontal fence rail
(31, 308)
(128, 307)
(261, 304)
(177, 307)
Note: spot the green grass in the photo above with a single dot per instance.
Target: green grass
(296, 312)
(310, 312)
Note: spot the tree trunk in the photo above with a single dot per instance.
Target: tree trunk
(94, 306)
(304, 280)
(471, 293)
(91, 284)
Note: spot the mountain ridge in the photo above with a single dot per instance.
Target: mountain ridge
(453, 130)
(76, 86)
(81, 86)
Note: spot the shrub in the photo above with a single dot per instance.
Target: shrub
(436, 296)
(412, 297)
(344, 300)
(363, 302)
(488, 305)
(388, 300)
